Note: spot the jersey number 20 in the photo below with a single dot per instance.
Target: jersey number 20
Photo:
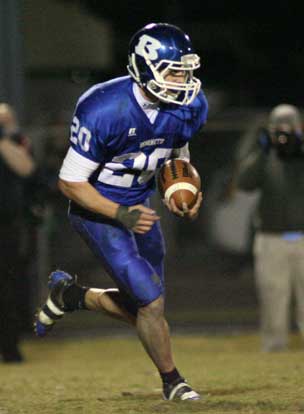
(80, 135)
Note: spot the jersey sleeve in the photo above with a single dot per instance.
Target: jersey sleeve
(200, 112)
(89, 131)
(88, 134)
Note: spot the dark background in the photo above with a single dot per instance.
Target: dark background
(254, 54)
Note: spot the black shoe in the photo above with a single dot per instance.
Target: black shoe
(54, 307)
(179, 391)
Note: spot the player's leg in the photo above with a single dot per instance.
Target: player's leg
(153, 331)
(107, 242)
(140, 289)
(66, 295)
(151, 323)
(154, 334)
(115, 247)
(111, 302)
(152, 327)
(119, 253)
(143, 287)
(151, 246)
(273, 276)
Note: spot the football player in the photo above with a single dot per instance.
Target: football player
(122, 132)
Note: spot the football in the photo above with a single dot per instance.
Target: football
(180, 180)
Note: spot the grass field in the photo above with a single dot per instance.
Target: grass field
(113, 375)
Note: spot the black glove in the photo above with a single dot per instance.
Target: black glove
(264, 140)
(126, 217)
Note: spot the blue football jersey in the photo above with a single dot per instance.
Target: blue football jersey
(111, 129)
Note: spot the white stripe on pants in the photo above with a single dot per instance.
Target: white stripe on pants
(279, 271)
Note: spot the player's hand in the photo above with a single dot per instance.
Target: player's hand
(171, 206)
(185, 212)
(193, 212)
(137, 218)
(146, 219)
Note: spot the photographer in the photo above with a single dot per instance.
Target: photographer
(16, 166)
(274, 164)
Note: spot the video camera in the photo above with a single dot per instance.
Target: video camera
(288, 143)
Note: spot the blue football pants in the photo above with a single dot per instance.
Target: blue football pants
(135, 262)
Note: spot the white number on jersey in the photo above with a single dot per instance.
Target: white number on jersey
(80, 135)
(126, 180)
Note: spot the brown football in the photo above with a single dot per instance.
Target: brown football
(180, 180)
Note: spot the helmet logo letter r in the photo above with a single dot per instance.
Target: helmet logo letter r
(147, 47)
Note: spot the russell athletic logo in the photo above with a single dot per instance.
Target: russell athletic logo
(132, 132)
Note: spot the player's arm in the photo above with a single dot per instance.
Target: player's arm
(74, 184)
(84, 194)
(183, 153)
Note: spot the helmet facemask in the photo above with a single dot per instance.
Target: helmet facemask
(166, 91)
